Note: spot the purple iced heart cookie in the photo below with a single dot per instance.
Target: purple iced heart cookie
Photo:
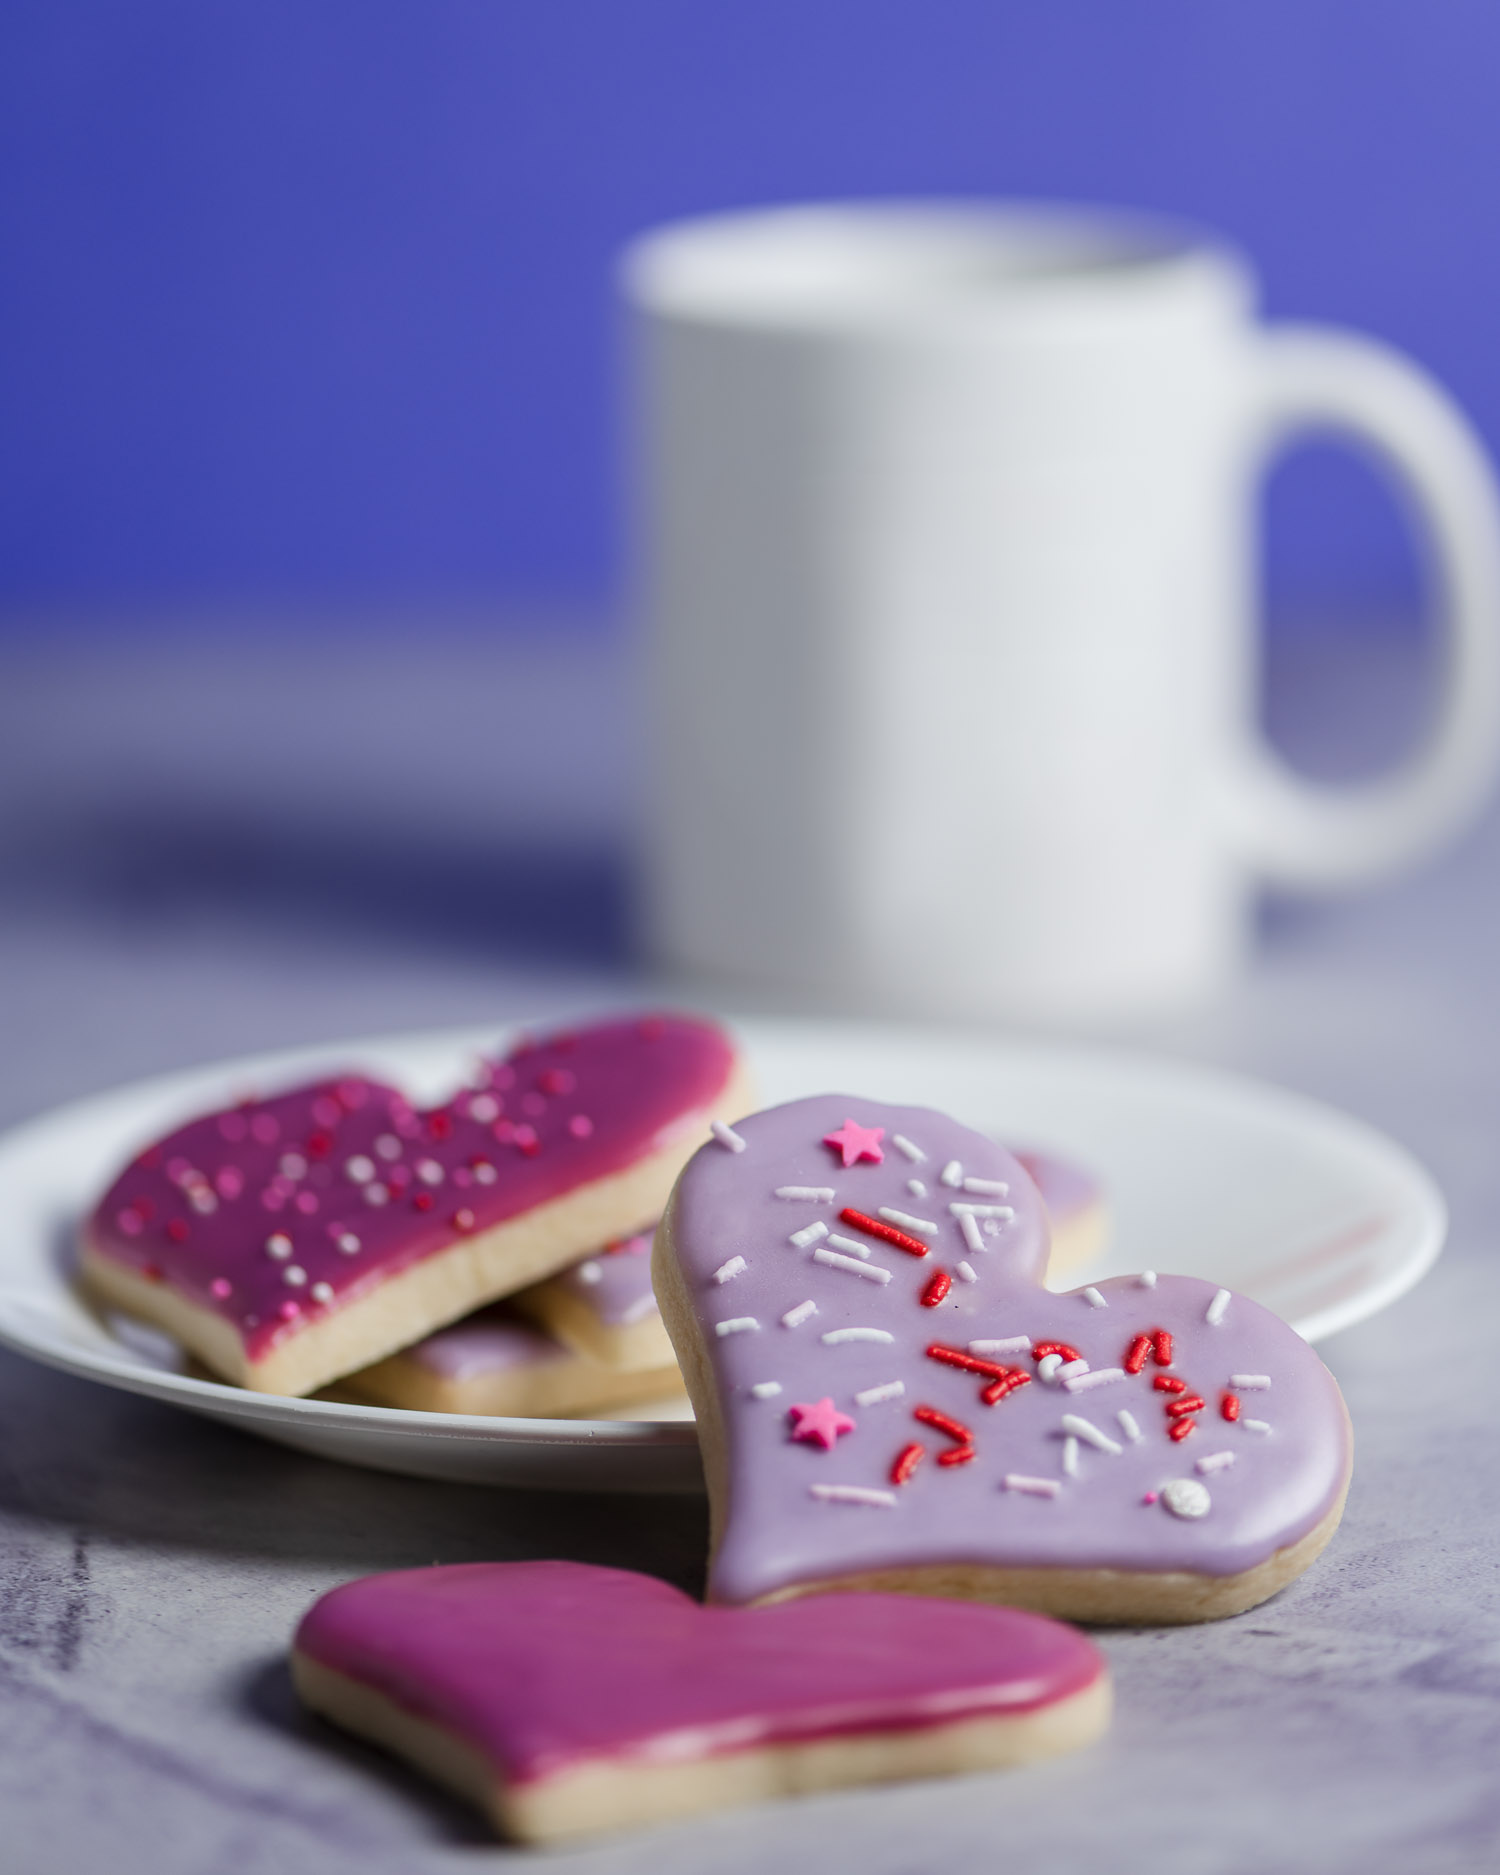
(290, 1241)
(888, 1398)
(566, 1699)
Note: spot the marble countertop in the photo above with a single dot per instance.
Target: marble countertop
(198, 857)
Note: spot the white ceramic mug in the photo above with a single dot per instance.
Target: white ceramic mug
(948, 520)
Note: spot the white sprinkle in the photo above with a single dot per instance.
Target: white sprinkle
(484, 1108)
(996, 1187)
(794, 1318)
(853, 1494)
(736, 1325)
(1215, 1461)
(321, 1292)
(294, 1274)
(1072, 1370)
(1249, 1383)
(349, 1243)
(1100, 1377)
(952, 1174)
(1033, 1487)
(967, 1272)
(590, 1272)
(870, 1271)
(916, 1188)
(732, 1268)
(1092, 1296)
(726, 1136)
(1046, 1369)
(639, 1309)
(1256, 1425)
(1070, 1457)
(1214, 1313)
(293, 1165)
(914, 1153)
(923, 1225)
(872, 1396)
(970, 1229)
(1086, 1429)
(837, 1336)
(851, 1246)
(279, 1245)
(359, 1169)
(429, 1171)
(802, 1238)
(1147, 1279)
(1185, 1497)
(1128, 1426)
(389, 1147)
(484, 1172)
(765, 1389)
(1010, 1344)
(809, 1194)
(980, 1210)
(374, 1193)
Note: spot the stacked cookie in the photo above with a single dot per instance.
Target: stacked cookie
(335, 1233)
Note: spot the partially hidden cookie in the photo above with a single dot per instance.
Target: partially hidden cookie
(494, 1362)
(566, 1699)
(1075, 1206)
(293, 1240)
(887, 1397)
(604, 1308)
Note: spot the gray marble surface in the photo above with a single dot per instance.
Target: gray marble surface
(207, 847)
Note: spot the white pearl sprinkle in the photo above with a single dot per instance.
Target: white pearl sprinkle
(484, 1108)
(321, 1292)
(360, 1169)
(294, 1274)
(1185, 1497)
(349, 1244)
(590, 1272)
(279, 1245)
(388, 1146)
(293, 1165)
(375, 1194)
(484, 1172)
(430, 1172)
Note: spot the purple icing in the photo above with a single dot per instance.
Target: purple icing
(491, 1341)
(541, 1665)
(1067, 1189)
(1279, 1483)
(615, 1284)
(275, 1210)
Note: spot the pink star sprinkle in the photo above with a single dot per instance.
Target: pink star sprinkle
(823, 1422)
(857, 1142)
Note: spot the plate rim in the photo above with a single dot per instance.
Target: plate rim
(226, 1402)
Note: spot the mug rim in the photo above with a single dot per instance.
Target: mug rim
(835, 265)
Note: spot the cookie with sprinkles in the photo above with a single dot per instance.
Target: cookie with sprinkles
(604, 1309)
(888, 1398)
(566, 1700)
(290, 1241)
(1077, 1211)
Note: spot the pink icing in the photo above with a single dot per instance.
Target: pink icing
(542, 1665)
(264, 1212)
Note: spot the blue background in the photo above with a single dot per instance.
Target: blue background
(308, 304)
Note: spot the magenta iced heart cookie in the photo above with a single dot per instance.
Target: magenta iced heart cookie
(888, 1398)
(292, 1240)
(566, 1699)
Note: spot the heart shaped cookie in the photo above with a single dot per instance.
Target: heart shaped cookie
(290, 1241)
(888, 1398)
(566, 1699)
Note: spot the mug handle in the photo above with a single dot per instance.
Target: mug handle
(1317, 837)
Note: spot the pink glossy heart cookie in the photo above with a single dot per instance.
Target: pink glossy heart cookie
(290, 1241)
(888, 1398)
(566, 1699)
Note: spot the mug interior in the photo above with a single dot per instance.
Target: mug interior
(819, 264)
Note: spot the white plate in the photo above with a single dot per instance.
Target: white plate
(1316, 1215)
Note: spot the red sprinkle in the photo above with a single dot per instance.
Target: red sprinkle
(956, 1455)
(440, 1125)
(970, 1363)
(1180, 1428)
(1161, 1347)
(1169, 1383)
(177, 1230)
(422, 1201)
(1189, 1403)
(997, 1390)
(907, 1460)
(887, 1233)
(1135, 1354)
(940, 1422)
(933, 1294)
(1041, 1349)
(1229, 1405)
